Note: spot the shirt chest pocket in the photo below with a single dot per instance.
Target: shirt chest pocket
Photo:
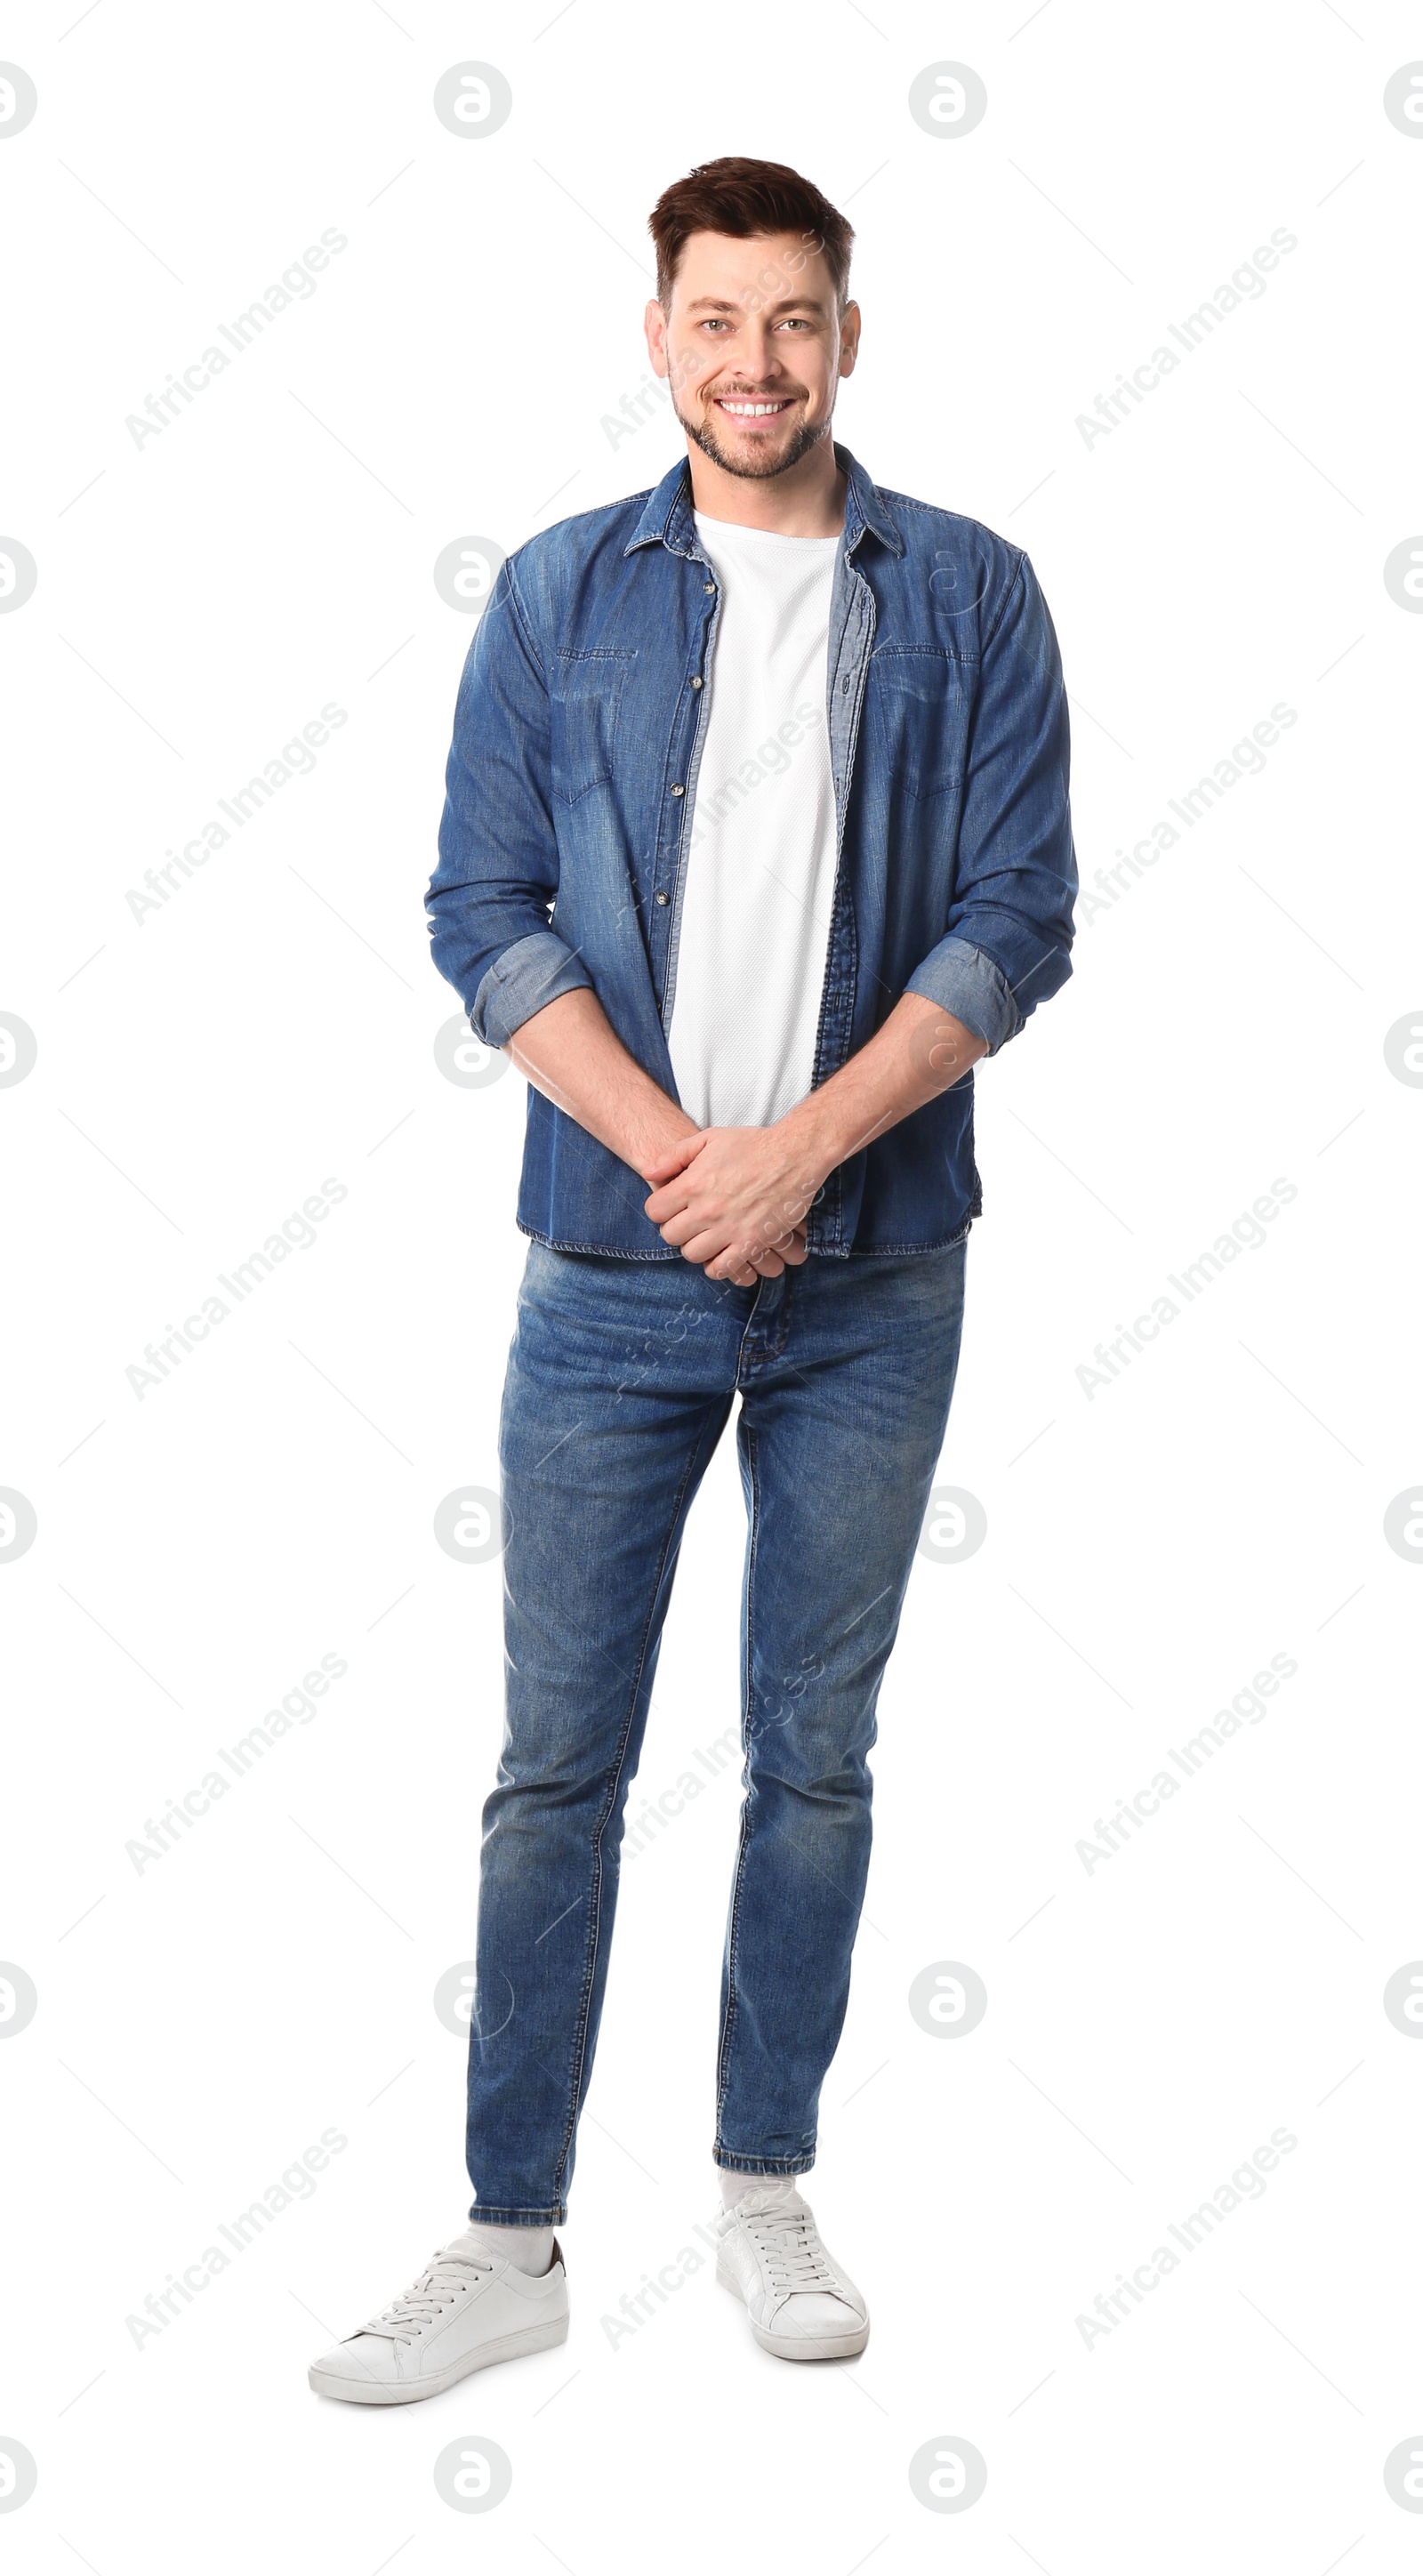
(920, 709)
(583, 716)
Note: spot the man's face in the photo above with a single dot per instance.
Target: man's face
(753, 348)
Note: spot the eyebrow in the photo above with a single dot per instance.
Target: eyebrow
(730, 304)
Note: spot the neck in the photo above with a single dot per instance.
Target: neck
(808, 501)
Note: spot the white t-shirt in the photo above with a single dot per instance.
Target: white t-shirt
(760, 874)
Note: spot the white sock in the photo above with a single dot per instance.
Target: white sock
(529, 2249)
(734, 2184)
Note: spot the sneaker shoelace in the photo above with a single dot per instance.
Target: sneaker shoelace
(439, 2284)
(788, 2243)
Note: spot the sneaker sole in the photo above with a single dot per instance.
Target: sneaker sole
(376, 2392)
(797, 2347)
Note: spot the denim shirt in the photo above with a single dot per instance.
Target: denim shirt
(572, 779)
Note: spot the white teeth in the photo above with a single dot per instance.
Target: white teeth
(749, 410)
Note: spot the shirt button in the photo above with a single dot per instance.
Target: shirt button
(696, 679)
(661, 898)
(709, 586)
(679, 791)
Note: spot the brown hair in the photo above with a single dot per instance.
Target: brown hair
(744, 198)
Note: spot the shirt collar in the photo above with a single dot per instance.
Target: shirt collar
(668, 514)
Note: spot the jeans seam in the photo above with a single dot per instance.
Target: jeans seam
(595, 1927)
(750, 1354)
(493, 2214)
(764, 2164)
(748, 1661)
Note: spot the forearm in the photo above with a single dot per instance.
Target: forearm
(735, 1196)
(920, 1051)
(570, 1052)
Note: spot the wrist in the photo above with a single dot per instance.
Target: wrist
(811, 1135)
(659, 1134)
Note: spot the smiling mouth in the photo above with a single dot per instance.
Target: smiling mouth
(741, 407)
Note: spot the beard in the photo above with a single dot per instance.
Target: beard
(754, 470)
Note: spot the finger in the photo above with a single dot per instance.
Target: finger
(782, 1248)
(667, 1201)
(668, 1165)
(708, 1243)
(679, 1230)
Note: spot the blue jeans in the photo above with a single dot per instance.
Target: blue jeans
(621, 1377)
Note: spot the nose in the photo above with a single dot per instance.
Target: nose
(760, 357)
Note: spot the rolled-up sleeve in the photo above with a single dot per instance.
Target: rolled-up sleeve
(1008, 936)
(494, 889)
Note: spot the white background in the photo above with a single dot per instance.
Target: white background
(200, 1072)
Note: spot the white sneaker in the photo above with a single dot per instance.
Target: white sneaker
(468, 2309)
(803, 2307)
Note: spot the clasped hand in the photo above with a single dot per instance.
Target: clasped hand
(735, 1200)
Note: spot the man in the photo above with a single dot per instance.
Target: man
(756, 839)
